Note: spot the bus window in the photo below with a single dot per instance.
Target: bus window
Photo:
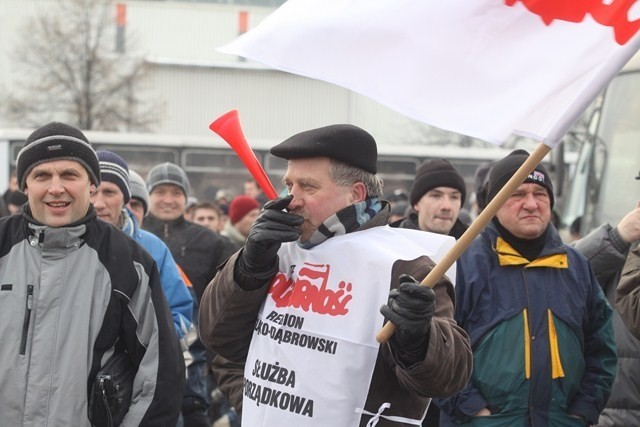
(141, 158)
(213, 170)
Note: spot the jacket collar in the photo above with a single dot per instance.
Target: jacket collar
(553, 254)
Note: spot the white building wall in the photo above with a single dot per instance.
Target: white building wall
(192, 84)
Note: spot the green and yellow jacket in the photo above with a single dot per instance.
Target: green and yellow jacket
(541, 335)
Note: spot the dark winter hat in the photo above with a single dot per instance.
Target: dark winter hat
(114, 169)
(240, 206)
(346, 143)
(436, 173)
(139, 189)
(480, 183)
(56, 141)
(503, 170)
(168, 173)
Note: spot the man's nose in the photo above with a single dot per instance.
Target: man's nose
(530, 201)
(56, 186)
(297, 201)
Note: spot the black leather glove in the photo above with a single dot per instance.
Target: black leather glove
(272, 227)
(410, 308)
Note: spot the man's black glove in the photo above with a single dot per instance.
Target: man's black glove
(272, 227)
(410, 308)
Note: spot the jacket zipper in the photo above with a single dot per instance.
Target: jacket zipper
(27, 319)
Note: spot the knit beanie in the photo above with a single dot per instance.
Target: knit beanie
(168, 173)
(503, 170)
(56, 141)
(114, 169)
(139, 189)
(480, 183)
(240, 206)
(436, 173)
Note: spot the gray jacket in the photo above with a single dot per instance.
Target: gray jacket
(68, 297)
(607, 253)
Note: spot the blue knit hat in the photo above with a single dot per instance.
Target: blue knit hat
(114, 169)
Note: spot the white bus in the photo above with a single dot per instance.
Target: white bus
(212, 165)
(603, 188)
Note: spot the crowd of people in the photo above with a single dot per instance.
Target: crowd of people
(265, 312)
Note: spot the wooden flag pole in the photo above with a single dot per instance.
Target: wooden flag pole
(475, 228)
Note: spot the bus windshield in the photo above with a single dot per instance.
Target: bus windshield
(603, 187)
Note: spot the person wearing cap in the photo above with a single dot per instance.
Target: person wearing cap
(197, 251)
(138, 204)
(243, 210)
(539, 324)
(297, 306)
(109, 201)
(76, 291)
(437, 194)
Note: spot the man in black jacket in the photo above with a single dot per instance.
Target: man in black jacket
(198, 251)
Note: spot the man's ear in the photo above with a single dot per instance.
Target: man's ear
(92, 189)
(359, 192)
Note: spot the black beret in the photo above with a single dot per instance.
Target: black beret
(346, 143)
(505, 168)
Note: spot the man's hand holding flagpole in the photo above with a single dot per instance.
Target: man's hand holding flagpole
(476, 227)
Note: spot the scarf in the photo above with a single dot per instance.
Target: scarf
(344, 221)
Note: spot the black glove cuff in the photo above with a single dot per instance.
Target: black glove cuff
(250, 281)
(409, 351)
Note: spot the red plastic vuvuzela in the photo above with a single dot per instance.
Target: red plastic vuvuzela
(229, 129)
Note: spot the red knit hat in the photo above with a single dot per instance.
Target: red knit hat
(240, 206)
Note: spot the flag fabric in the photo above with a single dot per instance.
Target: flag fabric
(483, 68)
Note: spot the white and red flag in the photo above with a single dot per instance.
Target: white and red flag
(484, 68)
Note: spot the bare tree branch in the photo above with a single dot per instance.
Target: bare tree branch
(67, 69)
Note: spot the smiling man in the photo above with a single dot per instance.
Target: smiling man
(75, 291)
(539, 324)
(198, 251)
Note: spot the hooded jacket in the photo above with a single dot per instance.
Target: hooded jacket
(69, 295)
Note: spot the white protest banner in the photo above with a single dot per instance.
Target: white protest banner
(313, 349)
